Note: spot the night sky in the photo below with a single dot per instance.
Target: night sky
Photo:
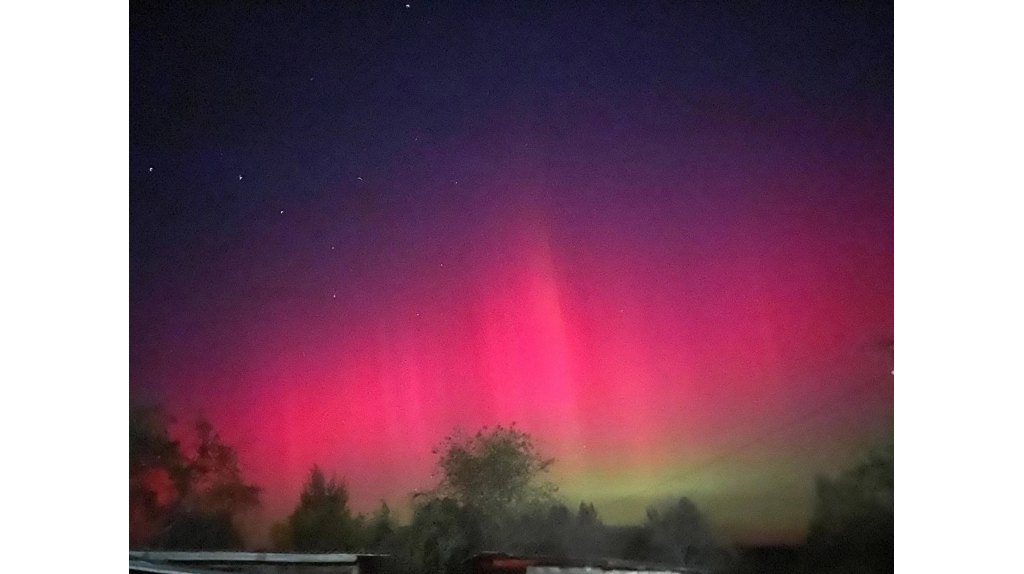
(657, 236)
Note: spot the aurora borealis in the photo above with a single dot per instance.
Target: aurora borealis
(659, 240)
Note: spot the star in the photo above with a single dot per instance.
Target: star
(406, 5)
(150, 169)
(239, 178)
(359, 178)
(282, 211)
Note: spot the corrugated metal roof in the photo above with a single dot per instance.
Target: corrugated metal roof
(151, 568)
(248, 557)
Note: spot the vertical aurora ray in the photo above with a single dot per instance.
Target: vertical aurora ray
(645, 236)
(635, 326)
(630, 363)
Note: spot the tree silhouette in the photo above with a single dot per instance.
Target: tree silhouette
(381, 528)
(442, 535)
(587, 515)
(852, 528)
(322, 521)
(498, 472)
(211, 494)
(491, 496)
(680, 534)
(677, 534)
(214, 482)
(281, 536)
(589, 536)
(156, 471)
(183, 500)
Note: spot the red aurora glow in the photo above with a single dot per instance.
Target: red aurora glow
(628, 360)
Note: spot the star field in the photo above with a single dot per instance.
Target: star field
(646, 233)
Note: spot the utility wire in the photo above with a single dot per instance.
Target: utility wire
(763, 435)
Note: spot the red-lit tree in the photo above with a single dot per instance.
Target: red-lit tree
(183, 500)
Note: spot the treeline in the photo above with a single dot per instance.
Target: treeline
(492, 495)
(444, 532)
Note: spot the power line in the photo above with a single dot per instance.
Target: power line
(809, 415)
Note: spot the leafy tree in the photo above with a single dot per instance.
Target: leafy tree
(183, 500)
(634, 543)
(589, 537)
(677, 534)
(499, 472)
(198, 530)
(540, 531)
(214, 484)
(681, 535)
(149, 443)
(322, 521)
(281, 536)
(381, 528)
(587, 515)
(156, 469)
(442, 535)
(490, 493)
(852, 528)
(211, 494)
